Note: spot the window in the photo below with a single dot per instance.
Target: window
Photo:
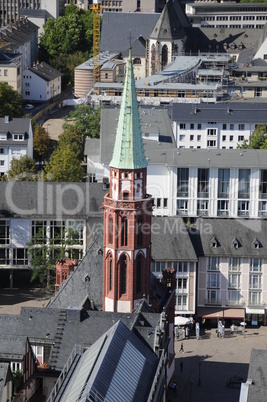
(125, 196)
(39, 232)
(182, 182)
(124, 231)
(182, 284)
(211, 144)
(263, 184)
(137, 60)
(199, 138)
(212, 131)
(244, 183)
(182, 207)
(2, 163)
(18, 137)
(224, 137)
(240, 138)
(203, 183)
(258, 92)
(202, 207)
(255, 265)
(110, 272)
(106, 75)
(4, 256)
(182, 126)
(75, 232)
(213, 264)
(231, 138)
(165, 202)
(2, 150)
(263, 208)
(110, 230)
(158, 202)
(57, 231)
(243, 208)
(223, 183)
(199, 126)
(181, 302)
(20, 256)
(123, 275)
(191, 137)
(192, 126)
(183, 267)
(223, 207)
(4, 232)
(241, 126)
(182, 138)
(232, 126)
(224, 126)
(5, 73)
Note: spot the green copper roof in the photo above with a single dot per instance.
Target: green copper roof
(128, 152)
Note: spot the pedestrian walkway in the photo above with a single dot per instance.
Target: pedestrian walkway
(204, 367)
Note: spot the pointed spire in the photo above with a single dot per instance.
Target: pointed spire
(128, 152)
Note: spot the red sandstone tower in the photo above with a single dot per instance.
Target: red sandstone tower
(127, 212)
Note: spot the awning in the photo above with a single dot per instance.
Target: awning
(254, 310)
(209, 313)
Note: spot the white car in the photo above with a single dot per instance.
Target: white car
(29, 106)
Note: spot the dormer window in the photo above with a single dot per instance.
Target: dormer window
(3, 136)
(256, 244)
(235, 244)
(214, 243)
(18, 137)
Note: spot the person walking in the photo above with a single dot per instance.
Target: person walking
(183, 333)
(181, 348)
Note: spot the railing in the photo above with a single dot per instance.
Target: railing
(76, 351)
(214, 302)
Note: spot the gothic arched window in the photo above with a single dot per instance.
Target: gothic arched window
(140, 231)
(164, 56)
(138, 274)
(110, 229)
(123, 275)
(124, 231)
(110, 266)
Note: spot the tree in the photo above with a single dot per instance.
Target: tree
(257, 140)
(64, 166)
(41, 143)
(72, 137)
(22, 169)
(44, 253)
(11, 103)
(86, 120)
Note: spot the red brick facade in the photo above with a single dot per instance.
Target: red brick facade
(63, 269)
(127, 240)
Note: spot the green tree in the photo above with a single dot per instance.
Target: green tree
(73, 138)
(11, 103)
(257, 140)
(41, 143)
(64, 166)
(22, 169)
(44, 253)
(86, 120)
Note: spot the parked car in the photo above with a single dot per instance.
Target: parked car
(29, 106)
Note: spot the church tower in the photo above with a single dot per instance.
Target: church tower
(127, 211)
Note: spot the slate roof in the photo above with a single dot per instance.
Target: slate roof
(85, 283)
(110, 374)
(15, 126)
(246, 232)
(171, 23)
(59, 200)
(4, 378)
(257, 372)
(168, 234)
(45, 71)
(12, 347)
(153, 121)
(219, 112)
(116, 28)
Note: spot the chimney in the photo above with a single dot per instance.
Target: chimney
(6, 119)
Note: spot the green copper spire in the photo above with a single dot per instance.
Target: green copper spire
(128, 152)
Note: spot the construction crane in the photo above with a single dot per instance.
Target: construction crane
(96, 8)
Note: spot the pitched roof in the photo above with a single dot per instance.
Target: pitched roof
(116, 28)
(44, 71)
(250, 236)
(128, 152)
(171, 23)
(104, 368)
(12, 347)
(61, 200)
